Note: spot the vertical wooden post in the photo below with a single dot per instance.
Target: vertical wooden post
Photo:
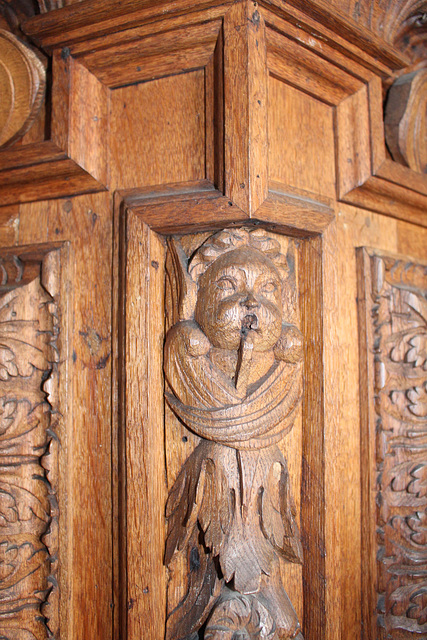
(245, 89)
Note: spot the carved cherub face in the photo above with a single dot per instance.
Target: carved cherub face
(240, 293)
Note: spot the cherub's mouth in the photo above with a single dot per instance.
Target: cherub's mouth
(249, 323)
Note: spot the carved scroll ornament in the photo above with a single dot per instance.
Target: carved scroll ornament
(233, 371)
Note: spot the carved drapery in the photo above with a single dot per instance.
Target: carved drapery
(29, 328)
(394, 440)
(233, 372)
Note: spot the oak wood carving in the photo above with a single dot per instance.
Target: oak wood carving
(29, 327)
(393, 313)
(233, 372)
(405, 121)
(22, 82)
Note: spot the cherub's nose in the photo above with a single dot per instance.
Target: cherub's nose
(249, 301)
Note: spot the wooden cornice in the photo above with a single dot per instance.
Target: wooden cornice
(94, 18)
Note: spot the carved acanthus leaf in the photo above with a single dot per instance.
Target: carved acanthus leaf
(418, 353)
(418, 401)
(410, 477)
(414, 529)
(240, 613)
(27, 334)
(24, 343)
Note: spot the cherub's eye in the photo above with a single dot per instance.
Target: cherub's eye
(269, 287)
(226, 284)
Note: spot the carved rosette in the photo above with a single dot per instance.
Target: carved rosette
(396, 314)
(28, 507)
(233, 373)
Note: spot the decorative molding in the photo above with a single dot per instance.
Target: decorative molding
(29, 328)
(393, 312)
(233, 370)
(15, 12)
(23, 83)
(352, 86)
(406, 121)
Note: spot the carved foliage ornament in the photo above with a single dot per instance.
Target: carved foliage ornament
(233, 372)
(28, 333)
(397, 306)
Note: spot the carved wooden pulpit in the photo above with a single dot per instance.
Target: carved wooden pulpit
(213, 320)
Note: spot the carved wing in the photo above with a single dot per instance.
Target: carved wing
(217, 508)
(181, 506)
(193, 488)
(278, 514)
(203, 588)
(181, 288)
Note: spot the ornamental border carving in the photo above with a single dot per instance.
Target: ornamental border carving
(31, 324)
(393, 340)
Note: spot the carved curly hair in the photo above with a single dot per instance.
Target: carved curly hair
(231, 239)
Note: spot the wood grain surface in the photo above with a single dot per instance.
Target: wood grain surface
(144, 437)
(173, 117)
(176, 114)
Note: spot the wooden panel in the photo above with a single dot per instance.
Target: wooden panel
(143, 450)
(157, 132)
(301, 140)
(392, 291)
(353, 228)
(342, 439)
(85, 578)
